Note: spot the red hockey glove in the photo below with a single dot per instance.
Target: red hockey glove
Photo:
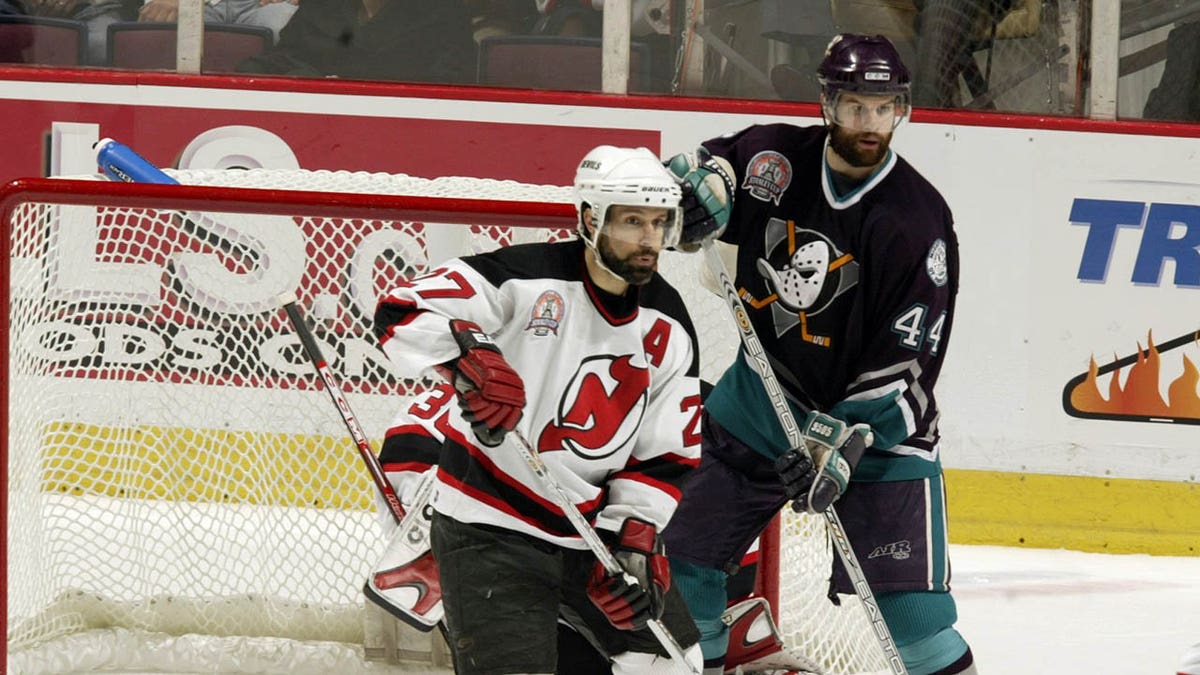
(630, 606)
(490, 393)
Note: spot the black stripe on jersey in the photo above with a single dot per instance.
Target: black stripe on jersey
(409, 444)
(662, 296)
(666, 472)
(927, 442)
(390, 313)
(564, 261)
(560, 260)
(474, 474)
(617, 310)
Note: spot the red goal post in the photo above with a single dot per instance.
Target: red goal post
(170, 466)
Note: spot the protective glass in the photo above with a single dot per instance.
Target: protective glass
(642, 225)
(866, 112)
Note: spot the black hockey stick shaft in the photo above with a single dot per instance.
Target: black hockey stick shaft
(593, 541)
(758, 357)
(313, 351)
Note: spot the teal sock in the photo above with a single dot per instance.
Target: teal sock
(703, 589)
(933, 653)
(922, 624)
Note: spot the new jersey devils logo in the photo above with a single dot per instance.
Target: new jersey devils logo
(601, 409)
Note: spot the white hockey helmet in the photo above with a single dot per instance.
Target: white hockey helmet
(609, 176)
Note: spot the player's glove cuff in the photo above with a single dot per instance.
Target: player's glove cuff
(836, 451)
(490, 393)
(707, 184)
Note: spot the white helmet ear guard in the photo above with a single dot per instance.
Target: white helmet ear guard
(611, 176)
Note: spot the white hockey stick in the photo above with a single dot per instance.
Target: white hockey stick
(593, 541)
(787, 420)
(412, 528)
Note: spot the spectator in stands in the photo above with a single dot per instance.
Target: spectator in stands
(501, 17)
(948, 34)
(11, 7)
(571, 18)
(584, 18)
(1177, 96)
(273, 14)
(409, 40)
(651, 24)
(95, 14)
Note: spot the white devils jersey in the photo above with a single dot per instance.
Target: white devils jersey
(611, 383)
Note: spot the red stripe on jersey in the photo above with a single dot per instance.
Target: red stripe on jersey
(400, 313)
(461, 288)
(599, 304)
(498, 504)
(690, 462)
(408, 430)
(400, 467)
(488, 465)
(666, 488)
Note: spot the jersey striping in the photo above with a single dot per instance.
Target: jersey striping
(611, 385)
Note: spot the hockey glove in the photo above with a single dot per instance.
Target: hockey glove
(632, 600)
(490, 393)
(836, 450)
(707, 183)
(796, 472)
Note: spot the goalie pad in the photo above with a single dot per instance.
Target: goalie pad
(755, 645)
(405, 581)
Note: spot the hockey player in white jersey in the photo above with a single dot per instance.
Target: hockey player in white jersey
(582, 348)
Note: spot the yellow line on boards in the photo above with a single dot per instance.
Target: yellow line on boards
(1106, 515)
(204, 465)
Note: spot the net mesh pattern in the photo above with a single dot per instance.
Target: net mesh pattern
(174, 468)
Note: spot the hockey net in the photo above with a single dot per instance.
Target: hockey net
(181, 496)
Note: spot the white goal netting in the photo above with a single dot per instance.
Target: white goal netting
(180, 494)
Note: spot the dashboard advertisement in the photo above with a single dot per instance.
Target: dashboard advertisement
(1077, 339)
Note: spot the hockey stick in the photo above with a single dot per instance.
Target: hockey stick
(787, 420)
(288, 302)
(121, 163)
(418, 573)
(593, 541)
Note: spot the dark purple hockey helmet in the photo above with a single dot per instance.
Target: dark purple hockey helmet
(867, 64)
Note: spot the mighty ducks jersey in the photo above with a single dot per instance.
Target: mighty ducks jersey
(611, 384)
(852, 296)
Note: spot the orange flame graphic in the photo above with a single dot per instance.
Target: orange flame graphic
(1141, 395)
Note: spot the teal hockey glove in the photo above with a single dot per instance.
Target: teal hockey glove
(708, 184)
(836, 450)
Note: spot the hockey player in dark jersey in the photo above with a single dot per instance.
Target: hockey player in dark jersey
(582, 348)
(847, 264)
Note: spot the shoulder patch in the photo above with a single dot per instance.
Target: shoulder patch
(935, 263)
(768, 175)
(547, 314)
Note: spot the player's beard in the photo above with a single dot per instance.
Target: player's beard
(632, 272)
(845, 143)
